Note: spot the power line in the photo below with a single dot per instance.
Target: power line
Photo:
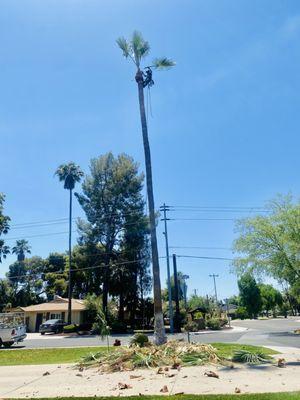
(62, 220)
(221, 207)
(204, 219)
(72, 270)
(206, 258)
(200, 247)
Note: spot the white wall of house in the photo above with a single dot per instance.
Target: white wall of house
(31, 317)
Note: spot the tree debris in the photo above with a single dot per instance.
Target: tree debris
(211, 374)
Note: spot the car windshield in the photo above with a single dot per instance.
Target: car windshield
(52, 321)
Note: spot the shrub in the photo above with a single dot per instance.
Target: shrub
(139, 339)
(191, 326)
(241, 313)
(195, 326)
(70, 328)
(223, 322)
(118, 327)
(214, 324)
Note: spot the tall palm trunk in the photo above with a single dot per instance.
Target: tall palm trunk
(159, 330)
(70, 263)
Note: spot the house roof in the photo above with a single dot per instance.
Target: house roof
(58, 304)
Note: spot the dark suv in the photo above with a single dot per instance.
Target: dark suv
(52, 326)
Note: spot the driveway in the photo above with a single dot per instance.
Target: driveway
(272, 332)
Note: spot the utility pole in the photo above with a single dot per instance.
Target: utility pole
(165, 208)
(177, 311)
(214, 276)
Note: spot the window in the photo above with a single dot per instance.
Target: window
(55, 316)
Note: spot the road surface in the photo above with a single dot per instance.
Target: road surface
(272, 332)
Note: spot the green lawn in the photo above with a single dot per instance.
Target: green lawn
(45, 356)
(227, 349)
(263, 396)
(71, 355)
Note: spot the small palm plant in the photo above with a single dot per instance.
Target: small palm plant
(101, 326)
(69, 174)
(248, 357)
(137, 49)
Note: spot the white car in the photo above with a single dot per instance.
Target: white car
(12, 329)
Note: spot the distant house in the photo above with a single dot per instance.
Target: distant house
(55, 309)
(229, 309)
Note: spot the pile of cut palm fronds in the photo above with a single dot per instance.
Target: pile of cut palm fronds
(173, 354)
(248, 357)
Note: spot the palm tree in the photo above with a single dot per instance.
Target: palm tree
(136, 49)
(20, 249)
(69, 174)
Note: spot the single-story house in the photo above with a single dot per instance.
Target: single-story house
(54, 309)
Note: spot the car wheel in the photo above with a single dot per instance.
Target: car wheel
(8, 344)
(42, 333)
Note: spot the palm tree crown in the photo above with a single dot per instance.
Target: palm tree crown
(137, 48)
(21, 248)
(69, 174)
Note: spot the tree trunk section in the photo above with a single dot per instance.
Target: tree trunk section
(159, 329)
(70, 263)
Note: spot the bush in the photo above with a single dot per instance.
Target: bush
(70, 328)
(139, 339)
(241, 313)
(223, 322)
(195, 326)
(214, 324)
(118, 327)
(191, 327)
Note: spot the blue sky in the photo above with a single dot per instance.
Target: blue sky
(224, 130)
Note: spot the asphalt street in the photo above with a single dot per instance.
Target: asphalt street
(272, 332)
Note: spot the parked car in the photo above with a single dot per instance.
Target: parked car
(52, 326)
(12, 329)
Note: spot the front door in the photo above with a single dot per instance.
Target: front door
(39, 320)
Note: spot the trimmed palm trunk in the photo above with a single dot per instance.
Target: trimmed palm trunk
(160, 335)
(70, 263)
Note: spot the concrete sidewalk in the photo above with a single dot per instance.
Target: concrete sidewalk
(64, 380)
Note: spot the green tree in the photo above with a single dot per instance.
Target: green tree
(270, 244)
(26, 279)
(69, 174)
(136, 49)
(271, 298)
(250, 294)
(6, 294)
(111, 193)
(4, 228)
(56, 275)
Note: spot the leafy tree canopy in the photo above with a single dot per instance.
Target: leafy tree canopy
(250, 294)
(270, 244)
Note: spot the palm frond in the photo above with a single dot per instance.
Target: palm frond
(124, 46)
(69, 174)
(140, 47)
(163, 63)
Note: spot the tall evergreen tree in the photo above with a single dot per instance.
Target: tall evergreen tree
(111, 193)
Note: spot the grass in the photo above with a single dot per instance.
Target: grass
(256, 396)
(45, 356)
(226, 350)
(72, 355)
